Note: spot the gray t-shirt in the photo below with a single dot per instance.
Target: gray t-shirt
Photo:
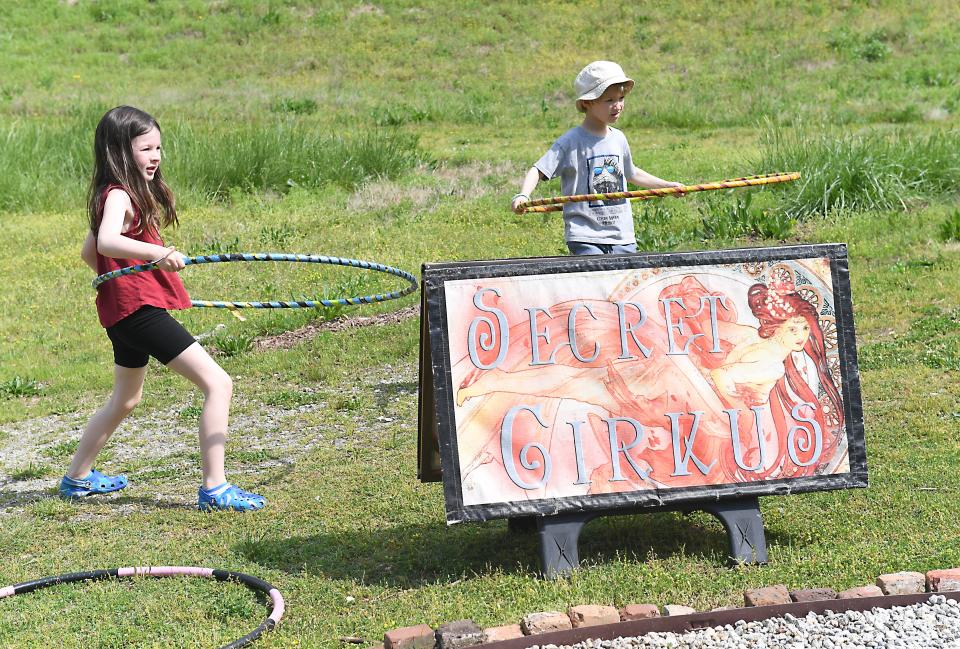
(588, 164)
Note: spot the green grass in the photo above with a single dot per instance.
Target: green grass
(862, 171)
(397, 133)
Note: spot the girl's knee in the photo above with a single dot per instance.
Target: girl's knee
(220, 385)
(125, 405)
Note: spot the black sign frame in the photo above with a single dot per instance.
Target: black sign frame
(437, 428)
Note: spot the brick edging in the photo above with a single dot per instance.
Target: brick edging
(466, 633)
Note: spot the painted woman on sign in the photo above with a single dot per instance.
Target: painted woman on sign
(757, 403)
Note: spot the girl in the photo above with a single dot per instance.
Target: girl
(128, 204)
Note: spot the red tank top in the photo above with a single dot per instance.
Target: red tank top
(121, 296)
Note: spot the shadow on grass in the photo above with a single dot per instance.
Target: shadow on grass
(389, 392)
(9, 499)
(412, 555)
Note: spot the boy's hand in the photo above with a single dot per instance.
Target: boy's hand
(519, 203)
(678, 194)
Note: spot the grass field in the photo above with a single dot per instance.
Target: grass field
(396, 132)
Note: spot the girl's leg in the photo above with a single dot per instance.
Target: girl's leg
(127, 390)
(196, 365)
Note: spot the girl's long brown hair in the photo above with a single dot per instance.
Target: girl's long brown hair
(114, 165)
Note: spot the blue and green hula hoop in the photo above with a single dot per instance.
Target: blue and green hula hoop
(253, 583)
(412, 284)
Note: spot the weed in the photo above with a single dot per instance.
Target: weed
(272, 17)
(720, 220)
(31, 472)
(295, 106)
(289, 398)
(346, 402)
(276, 235)
(866, 47)
(651, 228)
(252, 456)
(397, 115)
(950, 228)
(233, 344)
(214, 246)
(20, 387)
(190, 413)
(61, 450)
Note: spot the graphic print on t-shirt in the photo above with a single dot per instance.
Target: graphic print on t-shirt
(605, 174)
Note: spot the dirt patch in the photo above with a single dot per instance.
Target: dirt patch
(385, 193)
(289, 339)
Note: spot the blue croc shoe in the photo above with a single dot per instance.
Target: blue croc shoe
(230, 497)
(94, 483)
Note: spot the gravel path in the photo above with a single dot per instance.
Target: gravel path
(934, 624)
(158, 448)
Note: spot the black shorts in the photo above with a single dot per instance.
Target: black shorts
(149, 331)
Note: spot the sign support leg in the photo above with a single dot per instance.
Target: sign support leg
(744, 524)
(559, 534)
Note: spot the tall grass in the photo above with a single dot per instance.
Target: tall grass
(278, 156)
(861, 171)
(44, 166)
(47, 166)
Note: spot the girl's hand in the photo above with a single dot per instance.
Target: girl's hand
(172, 261)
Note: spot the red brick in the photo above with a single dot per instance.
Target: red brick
(410, 637)
(545, 622)
(943, 580)
(813, 594)
(505, 632)
(638, 612)
(767, 596)
(592, 615)
(902, 583)
(860, 591)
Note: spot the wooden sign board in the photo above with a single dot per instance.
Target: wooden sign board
(571, 384)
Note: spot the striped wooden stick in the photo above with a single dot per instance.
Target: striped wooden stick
(554, 204)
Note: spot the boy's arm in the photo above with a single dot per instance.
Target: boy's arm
(88, 252)
(530, 181)
(649, 181)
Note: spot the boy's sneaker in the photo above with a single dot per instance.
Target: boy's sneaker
(94, 483)
(228, 496)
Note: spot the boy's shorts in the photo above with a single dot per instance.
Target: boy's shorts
(583, 248)
(148, 331)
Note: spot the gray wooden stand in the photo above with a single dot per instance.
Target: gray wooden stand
(559, 533)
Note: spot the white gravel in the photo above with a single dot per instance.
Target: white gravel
(934, 624)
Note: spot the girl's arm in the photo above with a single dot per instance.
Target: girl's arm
(112, 243)
(529, 184)
(759, 372)
(561, 382)
(649, 181)
(88, 253)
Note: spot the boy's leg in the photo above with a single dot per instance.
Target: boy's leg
(127, 390)
(582, 248)
(620, 248)
(198, 367)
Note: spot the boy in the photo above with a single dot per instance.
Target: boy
(594, 158)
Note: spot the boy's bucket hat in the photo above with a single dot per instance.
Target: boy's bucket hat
(594, 79)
